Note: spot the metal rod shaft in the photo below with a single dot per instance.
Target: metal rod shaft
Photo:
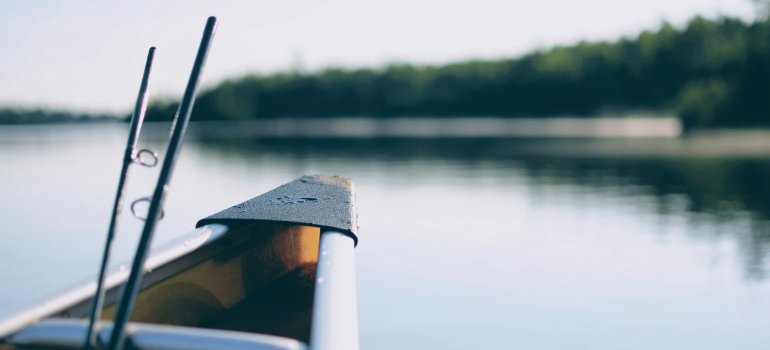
(178, 127)
(136, 126)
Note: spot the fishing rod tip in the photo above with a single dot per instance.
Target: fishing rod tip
(211, 24)
(150, 57)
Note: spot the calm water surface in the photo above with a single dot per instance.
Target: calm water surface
(464, 244)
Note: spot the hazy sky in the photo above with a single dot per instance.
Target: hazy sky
(89, 55)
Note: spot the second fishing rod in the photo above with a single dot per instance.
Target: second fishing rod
(130, 157)
(178, 128)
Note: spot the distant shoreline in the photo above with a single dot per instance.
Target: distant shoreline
(21, 116)
(462, 127)
(68, 122)
(324, 134)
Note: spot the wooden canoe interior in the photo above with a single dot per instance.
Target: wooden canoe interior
(258, 278)
(261, 284)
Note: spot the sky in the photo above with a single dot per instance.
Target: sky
(88, 56)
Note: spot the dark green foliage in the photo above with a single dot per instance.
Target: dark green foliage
(712, 73)
(702, 103)
(38, 116)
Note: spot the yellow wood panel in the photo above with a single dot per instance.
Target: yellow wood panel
(217, 284)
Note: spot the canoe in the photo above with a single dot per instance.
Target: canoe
(274, 272)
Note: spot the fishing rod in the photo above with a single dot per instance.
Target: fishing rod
(130, 156)
(178, 127)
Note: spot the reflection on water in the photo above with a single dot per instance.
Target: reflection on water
(707, 192)
(465, 243)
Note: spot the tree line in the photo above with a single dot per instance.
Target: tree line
(711, 73)
(42, 116)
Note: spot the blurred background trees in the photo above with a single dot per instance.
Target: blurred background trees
(36, 116)
(712, 73)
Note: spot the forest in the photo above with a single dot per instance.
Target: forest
(711, 73)
(43, 116)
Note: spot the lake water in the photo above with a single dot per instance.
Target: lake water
(465, 243)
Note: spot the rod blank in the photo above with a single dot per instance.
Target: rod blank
(178, 128)
(133, 136)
